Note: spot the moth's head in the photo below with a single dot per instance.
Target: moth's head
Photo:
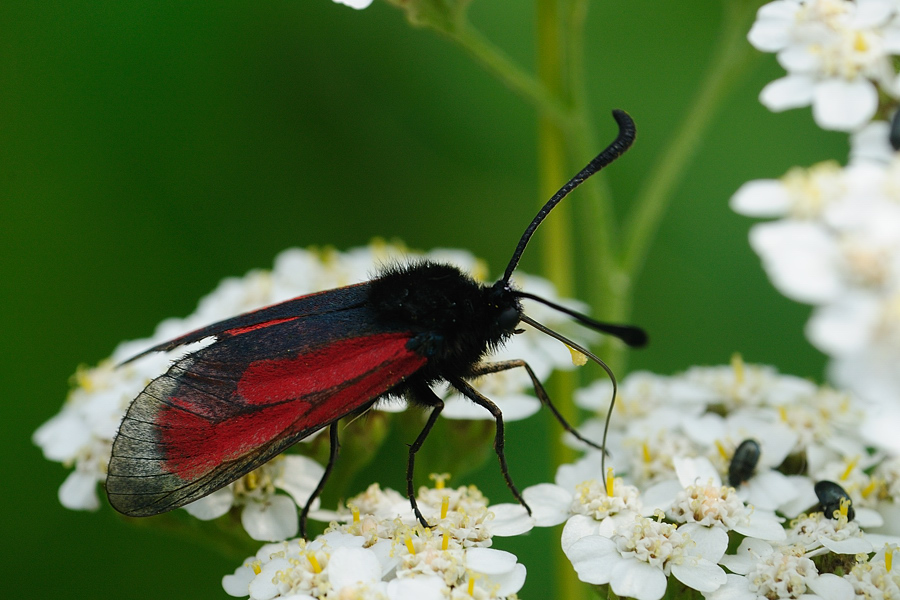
(505, 308)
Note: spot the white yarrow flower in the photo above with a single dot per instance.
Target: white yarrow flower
(837, 53)
(637, 558)
(383, 557)
(763, 571)
(265, 515)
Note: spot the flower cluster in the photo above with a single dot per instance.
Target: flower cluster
(836, 245)
(838, 54)
(383, 553)
(668, 513)
(81, 434)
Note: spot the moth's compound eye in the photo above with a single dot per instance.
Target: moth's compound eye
(508, 319)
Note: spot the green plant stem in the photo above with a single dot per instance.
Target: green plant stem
(515, 78)
(556, 241)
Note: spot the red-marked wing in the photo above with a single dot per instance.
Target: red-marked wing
(318, 304)
(227, 409)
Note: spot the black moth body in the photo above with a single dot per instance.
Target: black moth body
(456, 320)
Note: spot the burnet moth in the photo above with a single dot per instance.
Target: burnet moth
(276, 375)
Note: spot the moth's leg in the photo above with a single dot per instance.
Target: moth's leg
(496, 367)
(476, 397)
(332, 458)
(424, 395)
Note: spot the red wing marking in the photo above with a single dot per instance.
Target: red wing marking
(269, 381)
(279, 398)
(249, 328)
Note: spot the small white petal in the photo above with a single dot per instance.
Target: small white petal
(832, 587)
(271, 521)
(594, 558)
(549, 504)
(868, 518)
(735, 588)
(637, 579)
(514, 406)
(63, 436)
(709, 543)
(263, 586)
(490, 561)
(844, 327)
(509, 583)
(511, 520)
(213, 506)
(844, 105)
(577, 527)
(769, 490)
(586, 468)
(805, 496)
(299, 477)
(792, 91)
(428, 587)
(871, 144)
(79, 491)
(337, 539)
(659, 496)
(762, 525)
(704, 576)
(750, 550)
(798, 60)
(238, 584)
(761, 198)
(770, 34)
(705, 429)
(351, 566)
(696, 471)
(800, 258)
(384, 550)
(851, 545)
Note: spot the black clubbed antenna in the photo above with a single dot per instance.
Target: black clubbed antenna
(622, 142)
(631, 335)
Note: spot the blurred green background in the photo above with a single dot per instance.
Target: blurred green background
(149, 149)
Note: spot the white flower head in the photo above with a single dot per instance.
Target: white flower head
(552, 504)
(384, 557)
(462, 512)
(266, 515)
(876, 578)
(706, 502)
(802, 194)
(819, 534)
(838, 55)
(782, 573)
(741, 385)
(638, 556)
